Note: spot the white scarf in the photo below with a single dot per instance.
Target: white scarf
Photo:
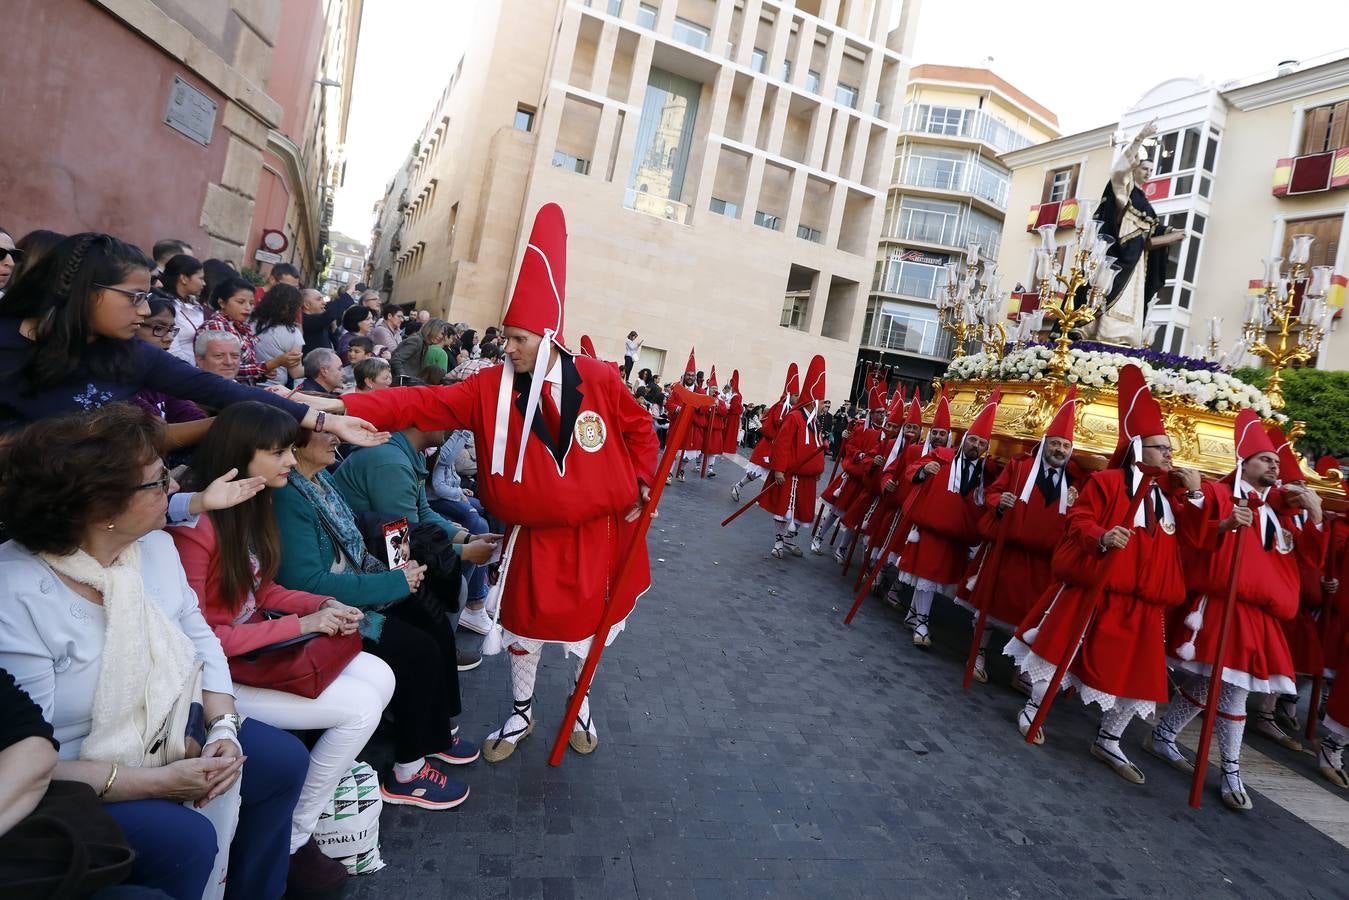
(146, 659)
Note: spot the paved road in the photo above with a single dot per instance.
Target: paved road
(752, 746)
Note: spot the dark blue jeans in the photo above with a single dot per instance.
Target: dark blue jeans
(176, 846)
(468, 513)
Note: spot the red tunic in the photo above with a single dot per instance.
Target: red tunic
(861, 513)
(855, 457)
(1335, 613)
(768, 427)
(1035, 529)
(716, 431)
(1303, 631)
(1268, 585)
(796, 453)
(885, 519)
(946, 525)
(1123, 652)
(730, 438)
(702, 418)
(1337, 707)
(569, 514)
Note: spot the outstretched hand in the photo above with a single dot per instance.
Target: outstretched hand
(225, 492)
(351, 430)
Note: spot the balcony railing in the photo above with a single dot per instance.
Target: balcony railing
(919, 336)
(659, 207)
(972, 124)
(1312, 174)
(946, 231)
(939, 174)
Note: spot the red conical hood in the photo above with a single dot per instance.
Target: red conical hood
(982, 426)
(1290, 467)
(1065, 418)
(896, 410)
(793, 383)
(876, 398)
(540, 288)
(735, 381)
(1249, 436)
(1140, 415)
(712, 379)
(812, 389)
(588, 347)
(942, 417)
(915, 416)
(692, 367)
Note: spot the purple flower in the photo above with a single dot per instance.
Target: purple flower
(1156, 358)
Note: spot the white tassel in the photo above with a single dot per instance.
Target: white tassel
(493, 643)
(1195, 621)
(1030, 635)
(1186, 651)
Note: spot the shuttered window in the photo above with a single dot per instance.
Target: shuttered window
(1326, 128)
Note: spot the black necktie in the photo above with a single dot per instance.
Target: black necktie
(1269, 529)
(1158, 510)
(1049, 484)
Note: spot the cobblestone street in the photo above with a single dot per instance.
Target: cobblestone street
(753, 746)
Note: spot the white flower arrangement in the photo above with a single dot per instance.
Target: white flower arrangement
(1218, 391)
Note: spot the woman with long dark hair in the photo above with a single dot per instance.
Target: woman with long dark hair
(31, 248)
(324, 552)
(9, 257)
(186, 422)
(183, 281)
(275, 323)
(231, 557)
(357, 321)
(67, 342)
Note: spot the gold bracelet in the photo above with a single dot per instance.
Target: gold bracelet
(112, 776)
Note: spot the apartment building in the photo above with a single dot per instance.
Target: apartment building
(948, 190)
(1244, 166)
(346, 268)
(722, 165)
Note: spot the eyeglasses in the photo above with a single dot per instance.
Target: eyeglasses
(136, 297)
(1165, 448)
(162, 482)
(15, 254)
(160, 331)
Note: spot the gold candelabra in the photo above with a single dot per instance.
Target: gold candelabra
(970, 304)
(1086, 264)
(1285, 325)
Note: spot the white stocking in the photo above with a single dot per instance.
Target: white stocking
(1231, 724)
(922, 607)
(1178, 715)
(524, 668)
(583, 721)
(1113, 723)
(1037, 695)
(749, 476)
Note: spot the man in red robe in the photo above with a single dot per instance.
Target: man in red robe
(796, 462)
(735, 407)
(1247, 506)
(768, 427)
(897, 483)
(1029, 499)
(1120, 663)
(692, 444)
(572, 458)
(861, 518)
(945, 517)
(857, 456)
(715, 418)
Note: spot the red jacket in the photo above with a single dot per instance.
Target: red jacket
(197, 549)
(730, 438)
(796, 447)
(769, 423)
(569, 508)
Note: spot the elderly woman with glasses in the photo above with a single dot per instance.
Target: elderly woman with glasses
(101, 629)
(68, 332)
(187, 422)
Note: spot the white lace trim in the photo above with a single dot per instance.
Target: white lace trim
(923, 584)
(1039, 669)
(756, 470)
(1277, 684)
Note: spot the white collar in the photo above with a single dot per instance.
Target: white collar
(554, 375)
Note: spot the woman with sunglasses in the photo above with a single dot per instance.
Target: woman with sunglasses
(68, 342)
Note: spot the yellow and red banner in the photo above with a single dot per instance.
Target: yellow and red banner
(1061, 213)
(1312, 173)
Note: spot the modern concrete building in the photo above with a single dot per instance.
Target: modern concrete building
(948, 189)
(1245, 166)
(722, 164)
(346, 269)
(154, 119)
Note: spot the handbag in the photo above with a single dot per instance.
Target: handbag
(303, 665)
(67, 847)
(368, 564)
(182, 734)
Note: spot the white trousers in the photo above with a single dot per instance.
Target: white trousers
(348, 711)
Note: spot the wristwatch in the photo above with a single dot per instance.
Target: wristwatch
(1195, 495)
(228, 720)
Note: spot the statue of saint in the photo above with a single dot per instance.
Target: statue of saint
(1139, 249)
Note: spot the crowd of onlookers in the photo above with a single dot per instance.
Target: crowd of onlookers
(201, 625)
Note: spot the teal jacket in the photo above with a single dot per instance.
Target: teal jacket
(308, 554)
(391, 479)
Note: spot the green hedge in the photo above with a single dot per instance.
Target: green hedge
(1315, 396)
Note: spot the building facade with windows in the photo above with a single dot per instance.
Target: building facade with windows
(948, 189)
(722, 164)
(1243, 167)
(346, 268)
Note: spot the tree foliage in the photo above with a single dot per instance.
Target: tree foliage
(1315, 396)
